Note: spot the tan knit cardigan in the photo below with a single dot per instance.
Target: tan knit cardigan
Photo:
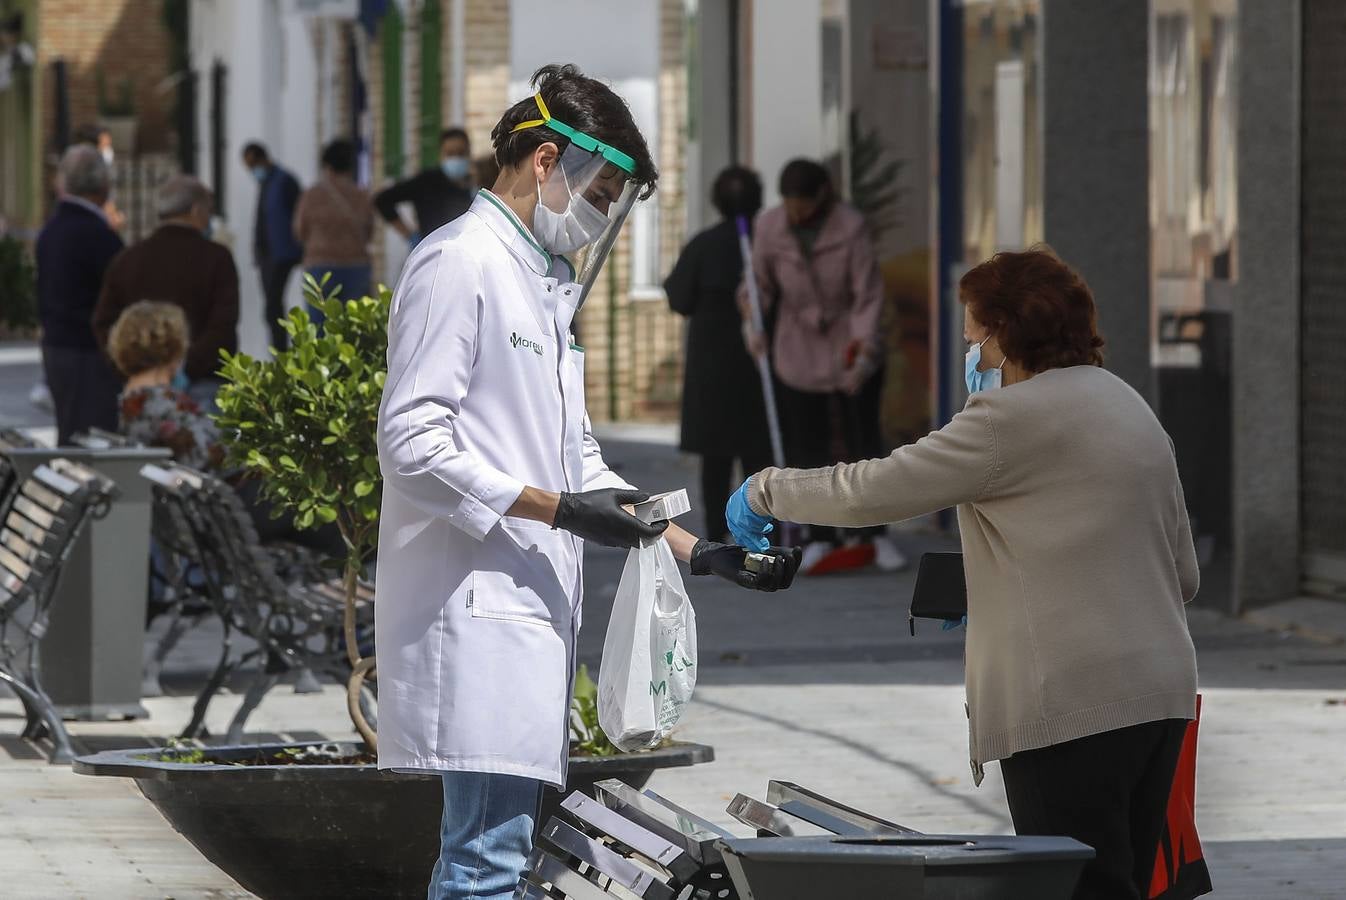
(1077, 550)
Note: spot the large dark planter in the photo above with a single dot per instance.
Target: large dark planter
(302, 831)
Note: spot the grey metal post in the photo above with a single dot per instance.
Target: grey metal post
(1095, 194)
(1266, 319)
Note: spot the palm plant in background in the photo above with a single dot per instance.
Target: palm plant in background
(873, 188)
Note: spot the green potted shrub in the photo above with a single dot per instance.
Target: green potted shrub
(318, 818)
(18, 290)
(304, 423)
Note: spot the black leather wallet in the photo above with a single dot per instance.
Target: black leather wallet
(941, 590)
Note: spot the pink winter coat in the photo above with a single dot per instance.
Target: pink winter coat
(828, 306)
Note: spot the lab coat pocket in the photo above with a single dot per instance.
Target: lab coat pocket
(517, 574)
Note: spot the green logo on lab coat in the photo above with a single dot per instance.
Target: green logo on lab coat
(516, 341)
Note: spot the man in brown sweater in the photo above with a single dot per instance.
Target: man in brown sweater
(179, 264)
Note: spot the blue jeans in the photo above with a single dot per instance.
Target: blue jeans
(485, 837)
(355, 282)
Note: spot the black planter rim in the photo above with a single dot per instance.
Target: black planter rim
(142, 763)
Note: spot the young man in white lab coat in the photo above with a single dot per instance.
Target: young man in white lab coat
(493, 481)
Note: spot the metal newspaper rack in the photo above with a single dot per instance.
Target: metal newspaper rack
(637, 844)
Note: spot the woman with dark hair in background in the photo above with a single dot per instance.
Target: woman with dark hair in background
(816, 271)
(723, 417)
(335, 222)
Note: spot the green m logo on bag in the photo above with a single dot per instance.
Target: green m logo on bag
(677, 662)
(516, 341)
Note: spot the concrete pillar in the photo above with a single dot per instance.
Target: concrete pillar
(786, 110)
(710, 147)
(1266, 317)
(1095, 165)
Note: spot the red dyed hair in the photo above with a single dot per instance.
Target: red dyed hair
(1039, 310)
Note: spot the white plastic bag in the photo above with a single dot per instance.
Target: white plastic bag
(649, 655)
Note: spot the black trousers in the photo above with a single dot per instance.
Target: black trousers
(718, 482)
(84, 389)
(822, 428)
(275, 275)
(1109, 791)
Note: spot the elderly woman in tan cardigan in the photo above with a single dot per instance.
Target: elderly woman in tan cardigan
(1081, 674)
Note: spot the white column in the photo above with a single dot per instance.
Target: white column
(786, 112)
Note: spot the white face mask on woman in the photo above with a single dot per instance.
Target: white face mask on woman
(566, 232)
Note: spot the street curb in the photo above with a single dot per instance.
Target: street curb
(1314, 619)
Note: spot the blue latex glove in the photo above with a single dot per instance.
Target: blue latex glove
(951, 624)
(748, 528)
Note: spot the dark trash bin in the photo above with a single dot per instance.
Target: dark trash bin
(1193, 405)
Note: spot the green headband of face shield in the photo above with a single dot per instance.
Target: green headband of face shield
(577, 137)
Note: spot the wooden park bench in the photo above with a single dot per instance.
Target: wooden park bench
(290, 608)
(43, 522)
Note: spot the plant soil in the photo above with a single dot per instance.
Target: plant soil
(326, 755)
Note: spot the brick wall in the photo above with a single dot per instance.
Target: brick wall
(122, 38)
(634, 344)
(633, 365)
(485, 67)
(377, 149)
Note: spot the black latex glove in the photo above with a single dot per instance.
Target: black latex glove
(773, 569)
(598, 516)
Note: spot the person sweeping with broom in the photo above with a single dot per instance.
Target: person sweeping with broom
(816, 274)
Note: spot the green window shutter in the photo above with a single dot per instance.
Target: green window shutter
(432, 28)
(390, 43)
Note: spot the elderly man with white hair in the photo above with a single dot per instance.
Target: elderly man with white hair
(73, 252)
(179, 264)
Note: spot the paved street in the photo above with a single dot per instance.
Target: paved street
(822, 685)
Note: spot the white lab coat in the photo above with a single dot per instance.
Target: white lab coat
(476, 612)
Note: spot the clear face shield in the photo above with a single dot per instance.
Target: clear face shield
(584, 201)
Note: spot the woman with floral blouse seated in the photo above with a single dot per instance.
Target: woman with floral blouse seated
(148, 344)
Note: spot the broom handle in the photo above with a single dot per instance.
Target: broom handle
(759, 326)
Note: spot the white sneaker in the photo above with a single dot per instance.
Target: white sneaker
(886, 555)
(40, 396)
(813, 554)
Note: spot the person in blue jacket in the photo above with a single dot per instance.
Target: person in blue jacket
(275, 249)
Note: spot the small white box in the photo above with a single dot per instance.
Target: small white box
(664, 506)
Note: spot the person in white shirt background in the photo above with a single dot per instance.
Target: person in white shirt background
(493, 480)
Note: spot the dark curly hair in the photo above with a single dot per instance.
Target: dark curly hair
(1039, 310)
(340, 156)
(737, 192)
(147, 335)
(583, 103)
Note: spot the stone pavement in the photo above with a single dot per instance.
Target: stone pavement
(821, 685)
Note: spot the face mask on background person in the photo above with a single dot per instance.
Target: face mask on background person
(108, 155)
(566, 232)
(260, 173)
(455, 168)
(980, 381)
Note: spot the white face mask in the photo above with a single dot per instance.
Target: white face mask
(566, 232)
